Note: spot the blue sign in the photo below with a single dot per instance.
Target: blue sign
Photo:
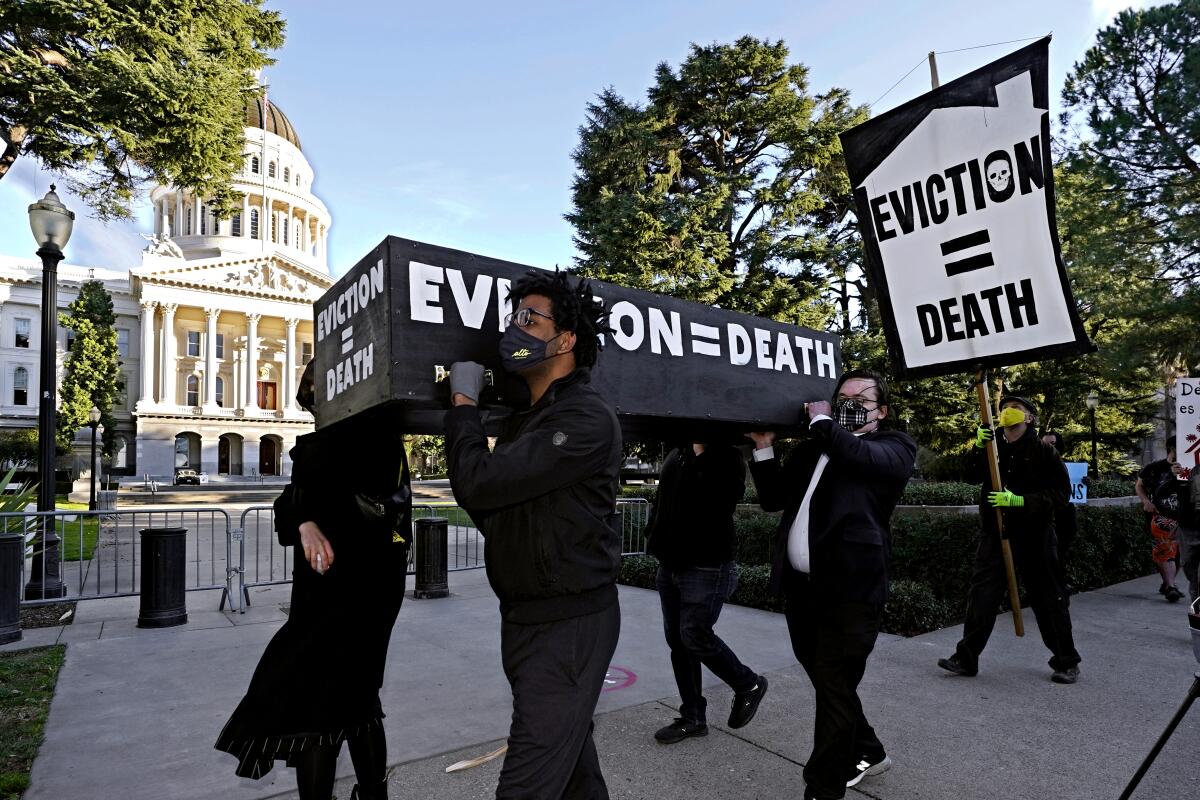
(1077, 470)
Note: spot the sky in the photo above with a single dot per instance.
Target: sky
(454, 123)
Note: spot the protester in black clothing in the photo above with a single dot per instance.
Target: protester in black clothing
(837, 491)
(1066, 521)
(1035, 485)
(545, 501)
(691, 533)
(317, 684)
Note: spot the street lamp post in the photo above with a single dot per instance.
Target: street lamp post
(51, 223)
(1093, 400)
(93, 421)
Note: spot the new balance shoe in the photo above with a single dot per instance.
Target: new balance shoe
(954, 664)
(868, 766)
(679, 730)
(745, 704)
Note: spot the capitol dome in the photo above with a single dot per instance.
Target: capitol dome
(280, 215)
(276, 122)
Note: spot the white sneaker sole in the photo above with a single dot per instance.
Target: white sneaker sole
(875, 769)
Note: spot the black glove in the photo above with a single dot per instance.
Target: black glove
(466, 378)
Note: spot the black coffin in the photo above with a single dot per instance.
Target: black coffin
(673, 368)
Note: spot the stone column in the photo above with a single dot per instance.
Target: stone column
(167, 379)
(246, 216)
(146, 356)
(289, 367)
(178, 214)
(210, 361)
(252, 361)
(196, 205)
(291, 228)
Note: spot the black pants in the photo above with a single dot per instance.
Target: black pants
(832, 641)
(556, 670)
(691, 599)
(1036, 561)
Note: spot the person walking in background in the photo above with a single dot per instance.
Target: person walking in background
(1156, 489)
(1066, 520)
(837, 491)
(1187, 515)
(545, 501)
(348, 513)
(691, 532)
(1035, 484)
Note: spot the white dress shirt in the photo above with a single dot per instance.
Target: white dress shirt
(797, 543)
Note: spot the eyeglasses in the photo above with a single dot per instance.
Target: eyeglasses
(522, 317)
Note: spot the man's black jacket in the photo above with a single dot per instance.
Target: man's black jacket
(850, 511)
(1032, 469)
(691, 524)
(543, 500)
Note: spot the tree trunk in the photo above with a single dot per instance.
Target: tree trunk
(13, 138)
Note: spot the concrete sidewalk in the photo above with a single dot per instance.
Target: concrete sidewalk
(136, 711)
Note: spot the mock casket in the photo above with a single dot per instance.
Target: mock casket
(672, 369)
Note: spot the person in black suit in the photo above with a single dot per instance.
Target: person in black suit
(837, 490)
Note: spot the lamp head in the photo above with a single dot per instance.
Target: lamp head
(51, 221)
(94, 416)
(1093, 399)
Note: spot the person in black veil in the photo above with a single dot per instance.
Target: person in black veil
(348, 511)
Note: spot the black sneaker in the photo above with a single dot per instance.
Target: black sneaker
(954, 664)
(745, 704)
(679, 730)
(869, 766)
(1173, 595)
(1068, 675)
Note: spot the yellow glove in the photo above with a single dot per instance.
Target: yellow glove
(1010, 416)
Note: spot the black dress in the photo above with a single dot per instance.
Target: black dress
(318, 680)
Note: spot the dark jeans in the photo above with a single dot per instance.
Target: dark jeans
(556, 670)
(1035, 559)
(691, 603)
(832, 641)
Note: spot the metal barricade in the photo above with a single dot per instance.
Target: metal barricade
(97, 552)
(635, 513)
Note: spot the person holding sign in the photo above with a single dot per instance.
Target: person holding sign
(837, 491)
(545, 499)
(1035, 485)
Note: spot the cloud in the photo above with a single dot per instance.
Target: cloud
(1104, 11)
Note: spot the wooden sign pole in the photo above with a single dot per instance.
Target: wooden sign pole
(985, 415)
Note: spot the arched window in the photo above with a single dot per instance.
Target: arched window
(203, 220)
(285, 230)
(220, 391)
(235, 225)
(193, 390)
(297, 178)
(119, 454)
(254, 165)
(187, 231)
(254, 223)
(20, 387)
(287, 175)
(274, 226)
(271, 170)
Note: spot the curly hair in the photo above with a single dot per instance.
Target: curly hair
(573, 306)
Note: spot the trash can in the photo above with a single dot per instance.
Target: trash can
(430, 557)
(163, 595)
(12, 557)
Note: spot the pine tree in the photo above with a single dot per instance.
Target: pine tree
(92, 375)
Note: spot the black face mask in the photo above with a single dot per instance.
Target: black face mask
(520, 350)
(850, 414)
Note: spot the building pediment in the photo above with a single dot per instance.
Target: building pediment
(267, 276)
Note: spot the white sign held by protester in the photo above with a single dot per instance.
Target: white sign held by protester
(955, 199)
(1187, 423)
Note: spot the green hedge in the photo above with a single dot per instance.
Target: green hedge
(932, 557)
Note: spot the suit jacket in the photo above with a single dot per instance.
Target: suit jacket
(850, 512)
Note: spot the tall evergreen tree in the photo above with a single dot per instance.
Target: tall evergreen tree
(92, 375)
(705, 191)
(115, 92)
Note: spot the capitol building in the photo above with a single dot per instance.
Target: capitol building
(214, 327)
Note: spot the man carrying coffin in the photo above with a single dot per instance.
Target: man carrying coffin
(837, 491)
(544, 500)
(1035, 484)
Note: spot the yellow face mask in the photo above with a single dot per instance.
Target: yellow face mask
(1010, 416)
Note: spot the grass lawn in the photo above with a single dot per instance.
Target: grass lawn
(73, 532)
(454, 515)
(27, 679)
